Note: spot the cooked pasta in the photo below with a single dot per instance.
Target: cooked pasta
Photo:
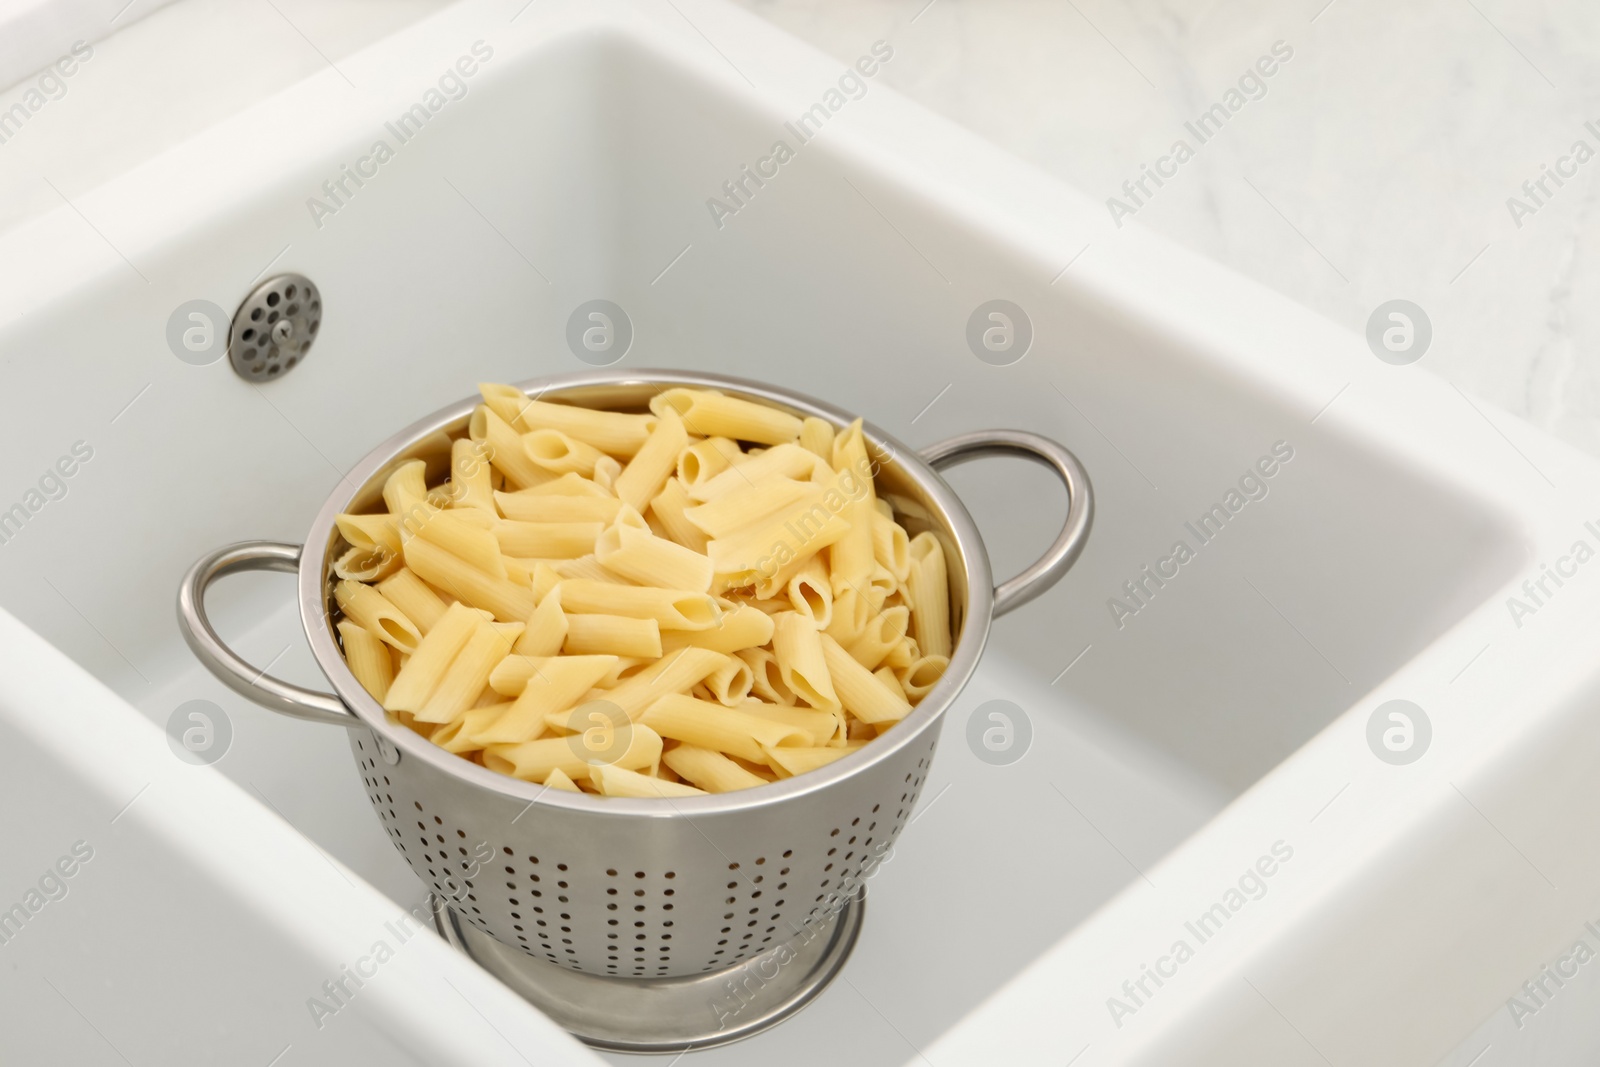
(705, 597)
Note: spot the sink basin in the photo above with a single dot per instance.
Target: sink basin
(1194, 763)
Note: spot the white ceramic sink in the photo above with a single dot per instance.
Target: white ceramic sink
(1173, 749)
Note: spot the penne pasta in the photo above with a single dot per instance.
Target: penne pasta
(766, 680)
(616, 781)
(555, 684)
(816, 436)
(406, 487)
(709, 770)
(467, 675)
(860, 693)
(415, 599)
(463, 536)
(811, 593)
(851, 613)
(668, 507)
(850, 558)
(505, 451)
(606, 472)
(740, 627)
(879, 587)
(756, 503)
(784, 461)
(929, 590)
(718, 415)
(506, 401)
(503, 598)
(668, 676)
(797, 646)
(367, 564)
(653, 524)
(613, 433)
(566, 485)
(765, 548)
(545, 578)
(625, 666)
(512, 674)
(586, 568)
(471, 485)
(706, 459)
(372, 611)
(640, 556)
(714, 589)
(534, 760)
(369, 531)
(531, 505)
(558, 779)
(883, 632)
(614, 635)
(653, 464)
(890, 680)
(789, 762)
(547, 628)
(891, 548)
(820, 727)
(919, 677)
(673, 609)
(521, 571)
(368, 657)
(904, 654)
(460, 735)
(730, 683)
(415, 682)
(558, 453)
(546, 540)
(719, 728)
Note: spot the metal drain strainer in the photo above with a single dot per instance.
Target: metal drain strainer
(274, 328)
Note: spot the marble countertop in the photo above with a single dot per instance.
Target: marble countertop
(1383, 158)
(1374, 164)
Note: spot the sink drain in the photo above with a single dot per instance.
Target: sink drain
(273, 329)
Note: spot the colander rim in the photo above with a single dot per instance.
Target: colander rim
(958, 525)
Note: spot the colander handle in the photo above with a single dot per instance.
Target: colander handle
(222, 661)
(1058, 559)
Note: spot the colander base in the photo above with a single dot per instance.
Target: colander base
(669, 1015)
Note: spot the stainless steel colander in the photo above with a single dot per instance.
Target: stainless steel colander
(640, 889)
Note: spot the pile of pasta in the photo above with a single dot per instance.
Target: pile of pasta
(704, 598)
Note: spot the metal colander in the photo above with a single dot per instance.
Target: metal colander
(642, 897)
(627, 888)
